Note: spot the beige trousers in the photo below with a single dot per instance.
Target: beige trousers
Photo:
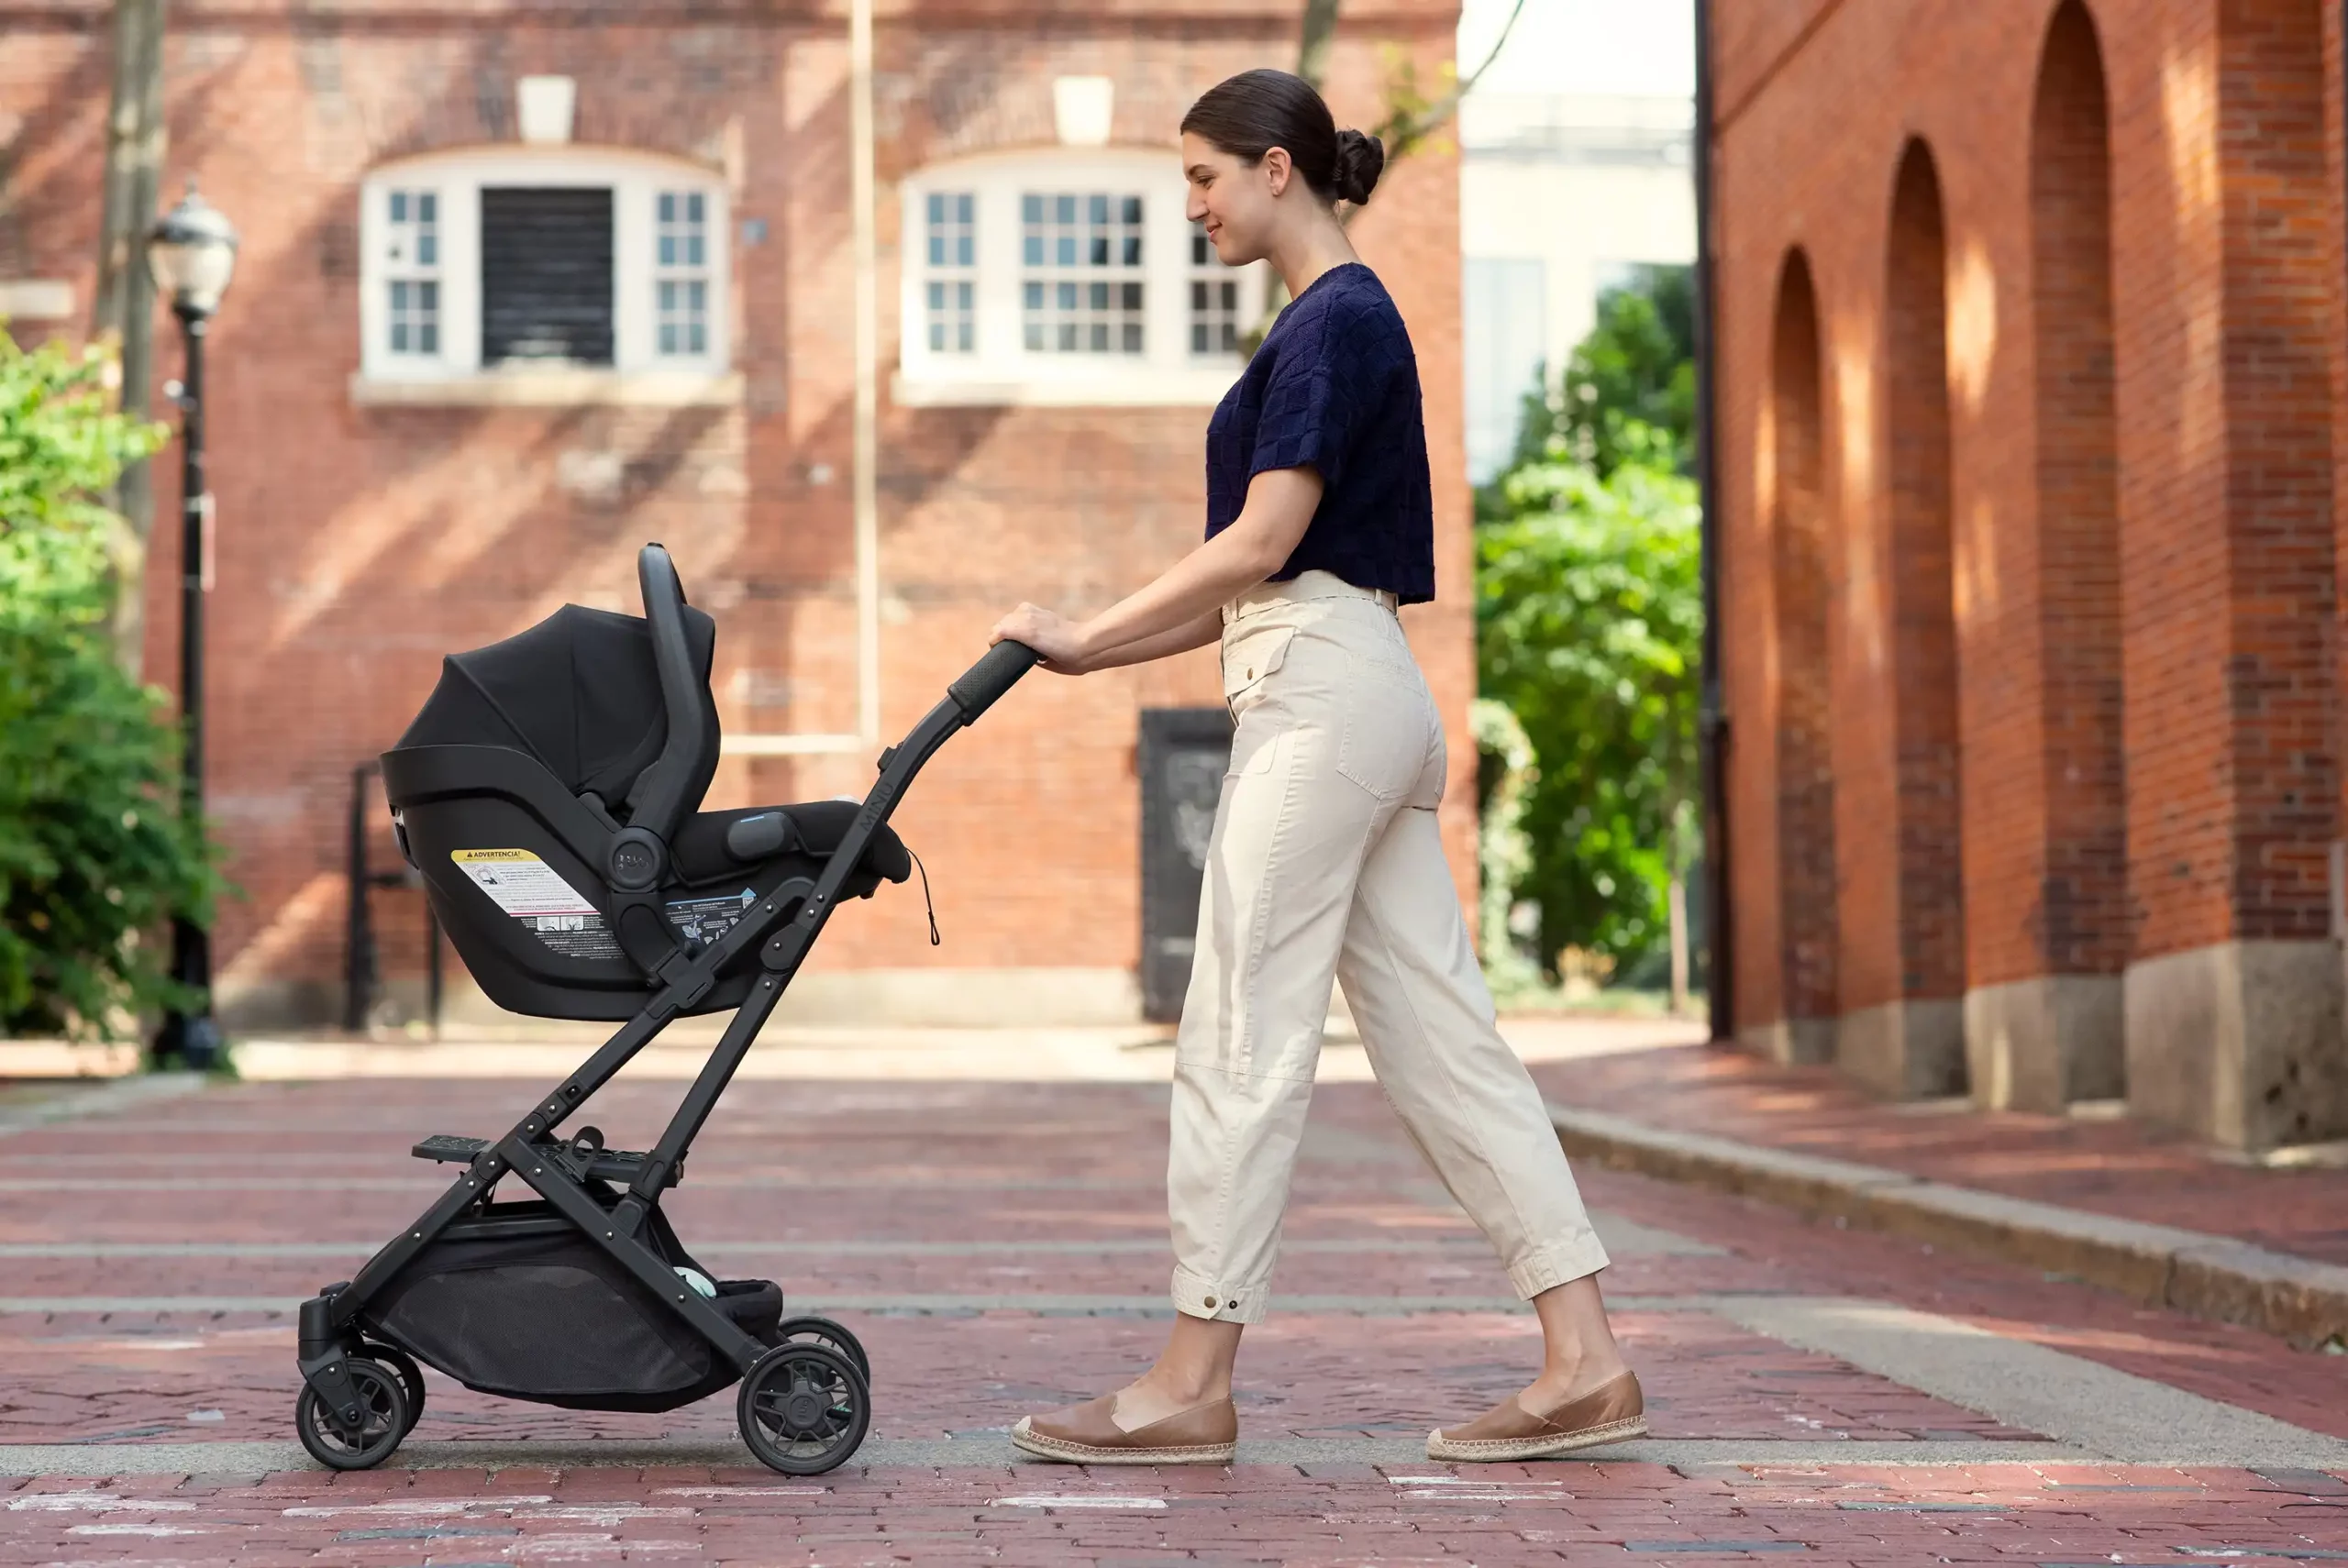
(1325, 862)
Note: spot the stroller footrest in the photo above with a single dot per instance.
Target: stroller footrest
(597, 1165)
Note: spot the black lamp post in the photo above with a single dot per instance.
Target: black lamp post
(191, 251)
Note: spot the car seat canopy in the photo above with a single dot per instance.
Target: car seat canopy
(580, 692)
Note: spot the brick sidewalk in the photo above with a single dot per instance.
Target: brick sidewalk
(2118, 1167)
(1001, 1248)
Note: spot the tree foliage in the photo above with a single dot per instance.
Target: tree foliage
(1589, 618)
(94, 854)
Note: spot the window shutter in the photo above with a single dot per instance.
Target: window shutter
(546, 275)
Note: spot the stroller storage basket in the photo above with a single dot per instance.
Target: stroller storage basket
(530, 1308)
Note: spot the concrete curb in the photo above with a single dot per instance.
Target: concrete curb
(2303, 1301)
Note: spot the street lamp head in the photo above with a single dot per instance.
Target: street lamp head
(191, 251)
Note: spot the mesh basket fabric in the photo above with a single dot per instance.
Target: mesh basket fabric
(550, 1317)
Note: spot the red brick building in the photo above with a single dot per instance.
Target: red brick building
(2032, 371)
(426, 433)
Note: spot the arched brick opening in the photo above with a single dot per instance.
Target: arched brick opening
(1806, 880)
(1923, 625)
(2083, 902)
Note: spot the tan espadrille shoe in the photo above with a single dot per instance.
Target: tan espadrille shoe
(1088, 1434)
(1609, 1413)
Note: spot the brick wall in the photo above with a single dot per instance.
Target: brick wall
(358, 544)
(2137, 280)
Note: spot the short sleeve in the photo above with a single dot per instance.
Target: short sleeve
(1315, 403)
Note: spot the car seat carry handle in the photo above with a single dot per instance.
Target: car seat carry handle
(659, 799)
(993, 675)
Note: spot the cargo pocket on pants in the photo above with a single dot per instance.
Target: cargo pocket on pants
(1248, 659)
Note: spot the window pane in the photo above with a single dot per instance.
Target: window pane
(667, 250)
(965, 209)
(668, 206)
(693, 249)
(964, 251)
(668, 337)
(962, 343)
(427, 339)
(937, 335)
(1198, 338)
(427, 249)
(937, 207)
(693, 209)
(1094, 241)
(697, 299)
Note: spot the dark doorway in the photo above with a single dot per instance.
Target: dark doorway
(1184, 753)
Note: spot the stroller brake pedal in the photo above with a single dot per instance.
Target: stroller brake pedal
(447, 1148)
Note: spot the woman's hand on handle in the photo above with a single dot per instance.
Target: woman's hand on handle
(1057, 639)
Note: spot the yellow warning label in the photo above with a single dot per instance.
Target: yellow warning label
(520, 882)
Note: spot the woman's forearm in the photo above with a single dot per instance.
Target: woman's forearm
(1279, 506)
(1196, 633)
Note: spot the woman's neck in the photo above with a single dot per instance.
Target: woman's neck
(1319, 246)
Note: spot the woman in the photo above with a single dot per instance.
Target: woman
(1325, 859)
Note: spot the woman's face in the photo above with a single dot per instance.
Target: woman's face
(1242, 203)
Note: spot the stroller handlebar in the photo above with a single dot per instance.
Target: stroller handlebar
(993, 675)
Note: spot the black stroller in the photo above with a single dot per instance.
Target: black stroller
(549, 793)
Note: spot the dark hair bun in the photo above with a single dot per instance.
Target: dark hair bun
(1360, 160)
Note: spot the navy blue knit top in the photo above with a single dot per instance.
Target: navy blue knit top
(1335, 388)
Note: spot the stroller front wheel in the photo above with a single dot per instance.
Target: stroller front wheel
(804, 1409)
(383, 1421)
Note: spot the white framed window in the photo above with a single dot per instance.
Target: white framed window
(412, 271)
(949, 271)
(1064, 276)
(681, 268)
(558, 273)
(1083, 279)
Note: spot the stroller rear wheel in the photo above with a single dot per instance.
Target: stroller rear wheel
(411, 1379)
(804, 1409)
(832, 1336)
(383, 1423)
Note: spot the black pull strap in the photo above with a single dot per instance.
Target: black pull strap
(934, 940)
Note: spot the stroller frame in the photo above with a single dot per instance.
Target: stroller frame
(345, 1394)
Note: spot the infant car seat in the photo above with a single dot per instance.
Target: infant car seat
(549, 793)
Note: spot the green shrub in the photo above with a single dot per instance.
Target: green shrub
(1589, 614)
(94, 854)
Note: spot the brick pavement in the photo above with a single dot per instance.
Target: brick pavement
(1002, 1246)
(2120, 1167)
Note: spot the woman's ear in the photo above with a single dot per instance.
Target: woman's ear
(1278, 170)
